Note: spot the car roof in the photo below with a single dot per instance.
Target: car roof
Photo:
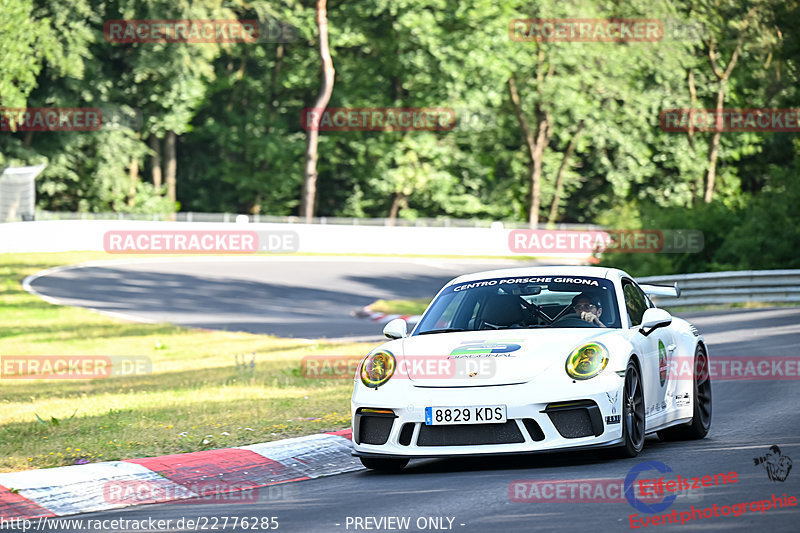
(591, 271)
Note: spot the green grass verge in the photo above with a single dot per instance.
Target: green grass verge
(415, 306)
(196, 398)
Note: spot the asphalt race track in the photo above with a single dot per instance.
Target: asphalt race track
(290, 297)
(473, 495)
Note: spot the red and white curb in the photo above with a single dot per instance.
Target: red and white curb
(382, 318)
(86, 488)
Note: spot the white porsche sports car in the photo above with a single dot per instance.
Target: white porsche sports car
(531, 359)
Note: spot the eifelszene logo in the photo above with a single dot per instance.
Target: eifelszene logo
(637, 503)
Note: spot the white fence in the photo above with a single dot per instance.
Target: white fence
(87, 235)
(441, 222)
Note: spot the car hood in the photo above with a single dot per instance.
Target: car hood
(480, 358)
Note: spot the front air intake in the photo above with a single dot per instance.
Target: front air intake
(406, 433)
(534, 430)
(577, 419)
(470, 434)
(373, 426)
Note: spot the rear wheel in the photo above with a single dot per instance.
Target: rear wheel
(633, 426)
(701, 414)
(384, 465)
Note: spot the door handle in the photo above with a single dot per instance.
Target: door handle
(672, 347)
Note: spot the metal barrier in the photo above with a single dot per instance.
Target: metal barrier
(709, 288)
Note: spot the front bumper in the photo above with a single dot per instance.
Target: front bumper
(583, 417)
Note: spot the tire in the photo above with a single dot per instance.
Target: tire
(633, 422)
(701, 412)
(384, 465)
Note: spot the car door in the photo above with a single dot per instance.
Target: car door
(655, 351)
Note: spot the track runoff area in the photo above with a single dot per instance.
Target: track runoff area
(739, 477)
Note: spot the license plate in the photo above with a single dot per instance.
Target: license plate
(476, 414)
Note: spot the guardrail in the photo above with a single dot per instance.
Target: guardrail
(710, 288)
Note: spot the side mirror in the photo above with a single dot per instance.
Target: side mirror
(653, 319)
(396, 329)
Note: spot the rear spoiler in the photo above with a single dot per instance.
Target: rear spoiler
(662, 290)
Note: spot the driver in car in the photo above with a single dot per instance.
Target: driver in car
(589, 308)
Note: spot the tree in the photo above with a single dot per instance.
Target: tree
(31, 38)
(310, 175)
(738, 37)
(724, 19)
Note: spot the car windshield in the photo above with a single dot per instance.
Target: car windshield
(523, 302)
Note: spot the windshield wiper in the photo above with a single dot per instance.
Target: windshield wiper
(445, 330)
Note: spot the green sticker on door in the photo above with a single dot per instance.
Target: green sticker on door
(662, 362)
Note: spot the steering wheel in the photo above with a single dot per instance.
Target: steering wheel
(573, 321)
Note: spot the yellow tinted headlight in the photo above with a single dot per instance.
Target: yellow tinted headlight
(377, 368)
(586, 361)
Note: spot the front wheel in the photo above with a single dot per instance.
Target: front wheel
(701, 414)
(384, 465)
(633, 427)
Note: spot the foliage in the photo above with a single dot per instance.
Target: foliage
(236, 109)
(760, 232)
